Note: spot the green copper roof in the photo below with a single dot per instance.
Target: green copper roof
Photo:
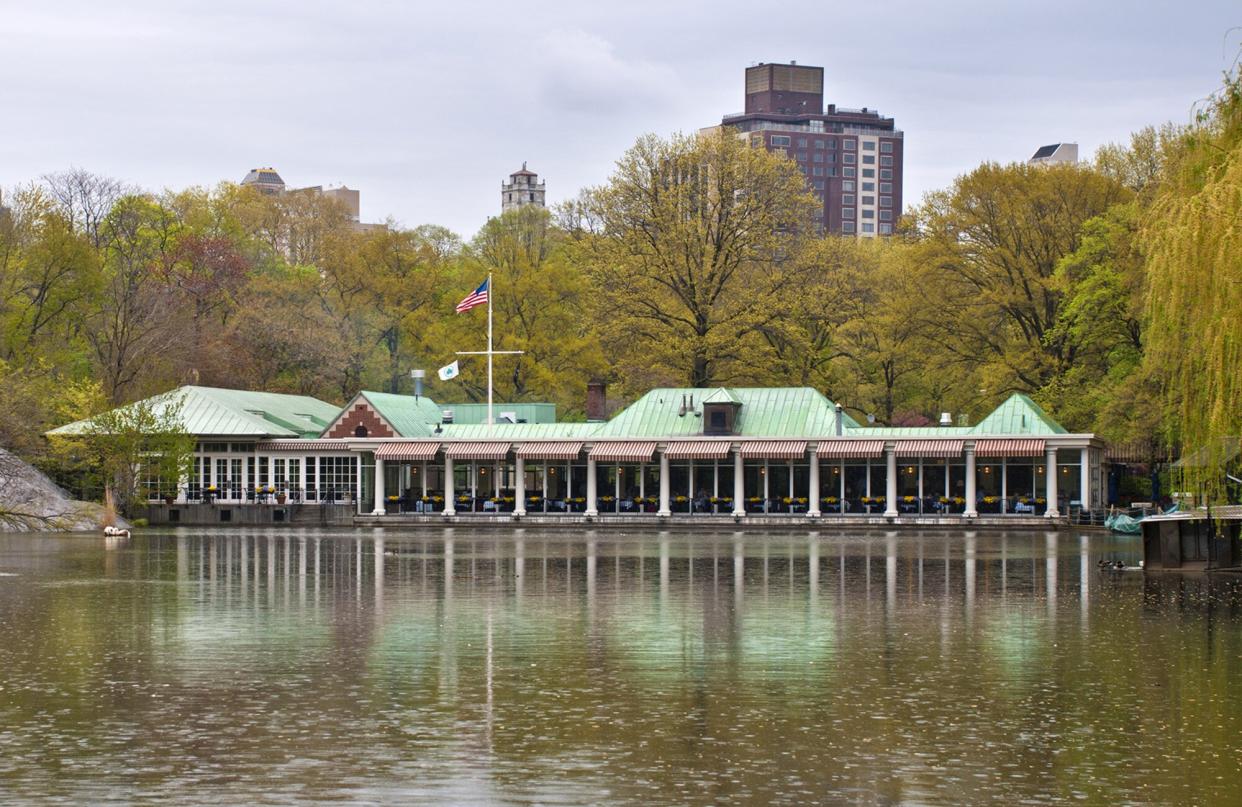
(467, 413)
(410, 416)
(211, 411)
(721, 395)
(1018, 415)
(520, 431)
(764, 412)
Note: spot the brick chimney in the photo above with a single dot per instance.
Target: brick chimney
(596, 402)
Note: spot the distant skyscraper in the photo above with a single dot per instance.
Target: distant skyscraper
(852, 158)
(523, 188)
(1055, 153)
(266, 180)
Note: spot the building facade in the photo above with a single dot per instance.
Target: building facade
(1055, 153)
(269, 181)
(852, 158)
(727, 453)
(522, 189)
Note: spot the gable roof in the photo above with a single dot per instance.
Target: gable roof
(764, 412)
(1018, 415)
(213, 411)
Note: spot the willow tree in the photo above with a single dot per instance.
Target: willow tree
(696, 243)
(1194, 246)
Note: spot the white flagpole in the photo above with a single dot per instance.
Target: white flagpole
(491, 422)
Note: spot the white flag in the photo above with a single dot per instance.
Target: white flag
(449, 371)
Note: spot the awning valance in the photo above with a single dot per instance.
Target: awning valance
(302, 445)
(930, 449)
(623, 451)
(698, 450)
(407, 452)
(775, 449)
(1010, 447)
(477, 451)
(850, 449)
(550, 451)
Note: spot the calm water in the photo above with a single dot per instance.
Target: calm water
(469, 668)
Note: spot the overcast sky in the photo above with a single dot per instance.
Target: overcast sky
(426, 108)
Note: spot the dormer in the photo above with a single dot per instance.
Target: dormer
(720, 410)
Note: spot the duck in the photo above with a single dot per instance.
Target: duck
(115, 532)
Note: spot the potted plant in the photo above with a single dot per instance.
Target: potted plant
(281, 497)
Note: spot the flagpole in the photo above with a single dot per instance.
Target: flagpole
(491, 421)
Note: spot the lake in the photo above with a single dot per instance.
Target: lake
(462, 666)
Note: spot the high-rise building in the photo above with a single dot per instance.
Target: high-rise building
(266, 180)
(1055, 153)
(523, 188)
(852, 158)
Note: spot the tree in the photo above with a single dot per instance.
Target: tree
(995, 239)
(1193, 241)
(696, 245)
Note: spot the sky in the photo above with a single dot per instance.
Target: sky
(427, 107)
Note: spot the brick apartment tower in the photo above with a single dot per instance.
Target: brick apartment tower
(852, 158)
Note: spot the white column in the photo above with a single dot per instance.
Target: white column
(972, 507)
(1084, 487)
(767, 485)
(812, 496)
(890, 482)
(591, 508)
(1004, 508)
(380, 502)
(358, 482)
(424, 472)
(739, 484)
(450, 504)
(665, 506)
(519, 488)
(1051, 481)
(921, 486)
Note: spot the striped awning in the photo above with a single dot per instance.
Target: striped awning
(1011, 447)
(407, 452)
(850, 449)
(477, 451)
(303, 445)
(549, 451)
(930, 449)
(623, 451)
(698, 450)
(775, 449)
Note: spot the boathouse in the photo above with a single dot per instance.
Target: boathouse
(675, 453)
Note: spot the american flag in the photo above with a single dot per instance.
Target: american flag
(476, 297)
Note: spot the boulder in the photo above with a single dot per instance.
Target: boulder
(31, 502)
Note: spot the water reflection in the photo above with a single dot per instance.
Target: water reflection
(472, 668)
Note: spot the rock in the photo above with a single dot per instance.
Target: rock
(30, 502)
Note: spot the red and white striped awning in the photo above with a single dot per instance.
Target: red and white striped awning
(302, 445)
(407, 452)
(930, 449)
(623, 451)
(850, 449)
(477, 451)
(775, 449)
(549, 451)
(1010, 447)
(698, 450)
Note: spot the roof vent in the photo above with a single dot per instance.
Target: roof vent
(946, 419)
(446, 416)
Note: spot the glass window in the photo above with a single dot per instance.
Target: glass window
(868, 200)
(886, 147)
(819, 185)
(886, 187)
(848, 145)
(819, 144)
(802, 156)
(886, 173)
(801, 142)
(886, 229)
(847, 199)
(847, 212)
(847, 226)
(886, 161)
(832, 142)
(868, 159)
(848, 172)
(886, 201)
(868, 145)
(868, 186)
(818, 170)
(848, 159)
(847, 185)
(832, 172)
(780, 140)
(868, 227)
(886, 215)
(868, 214)
(817, 157)
(869, 172)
